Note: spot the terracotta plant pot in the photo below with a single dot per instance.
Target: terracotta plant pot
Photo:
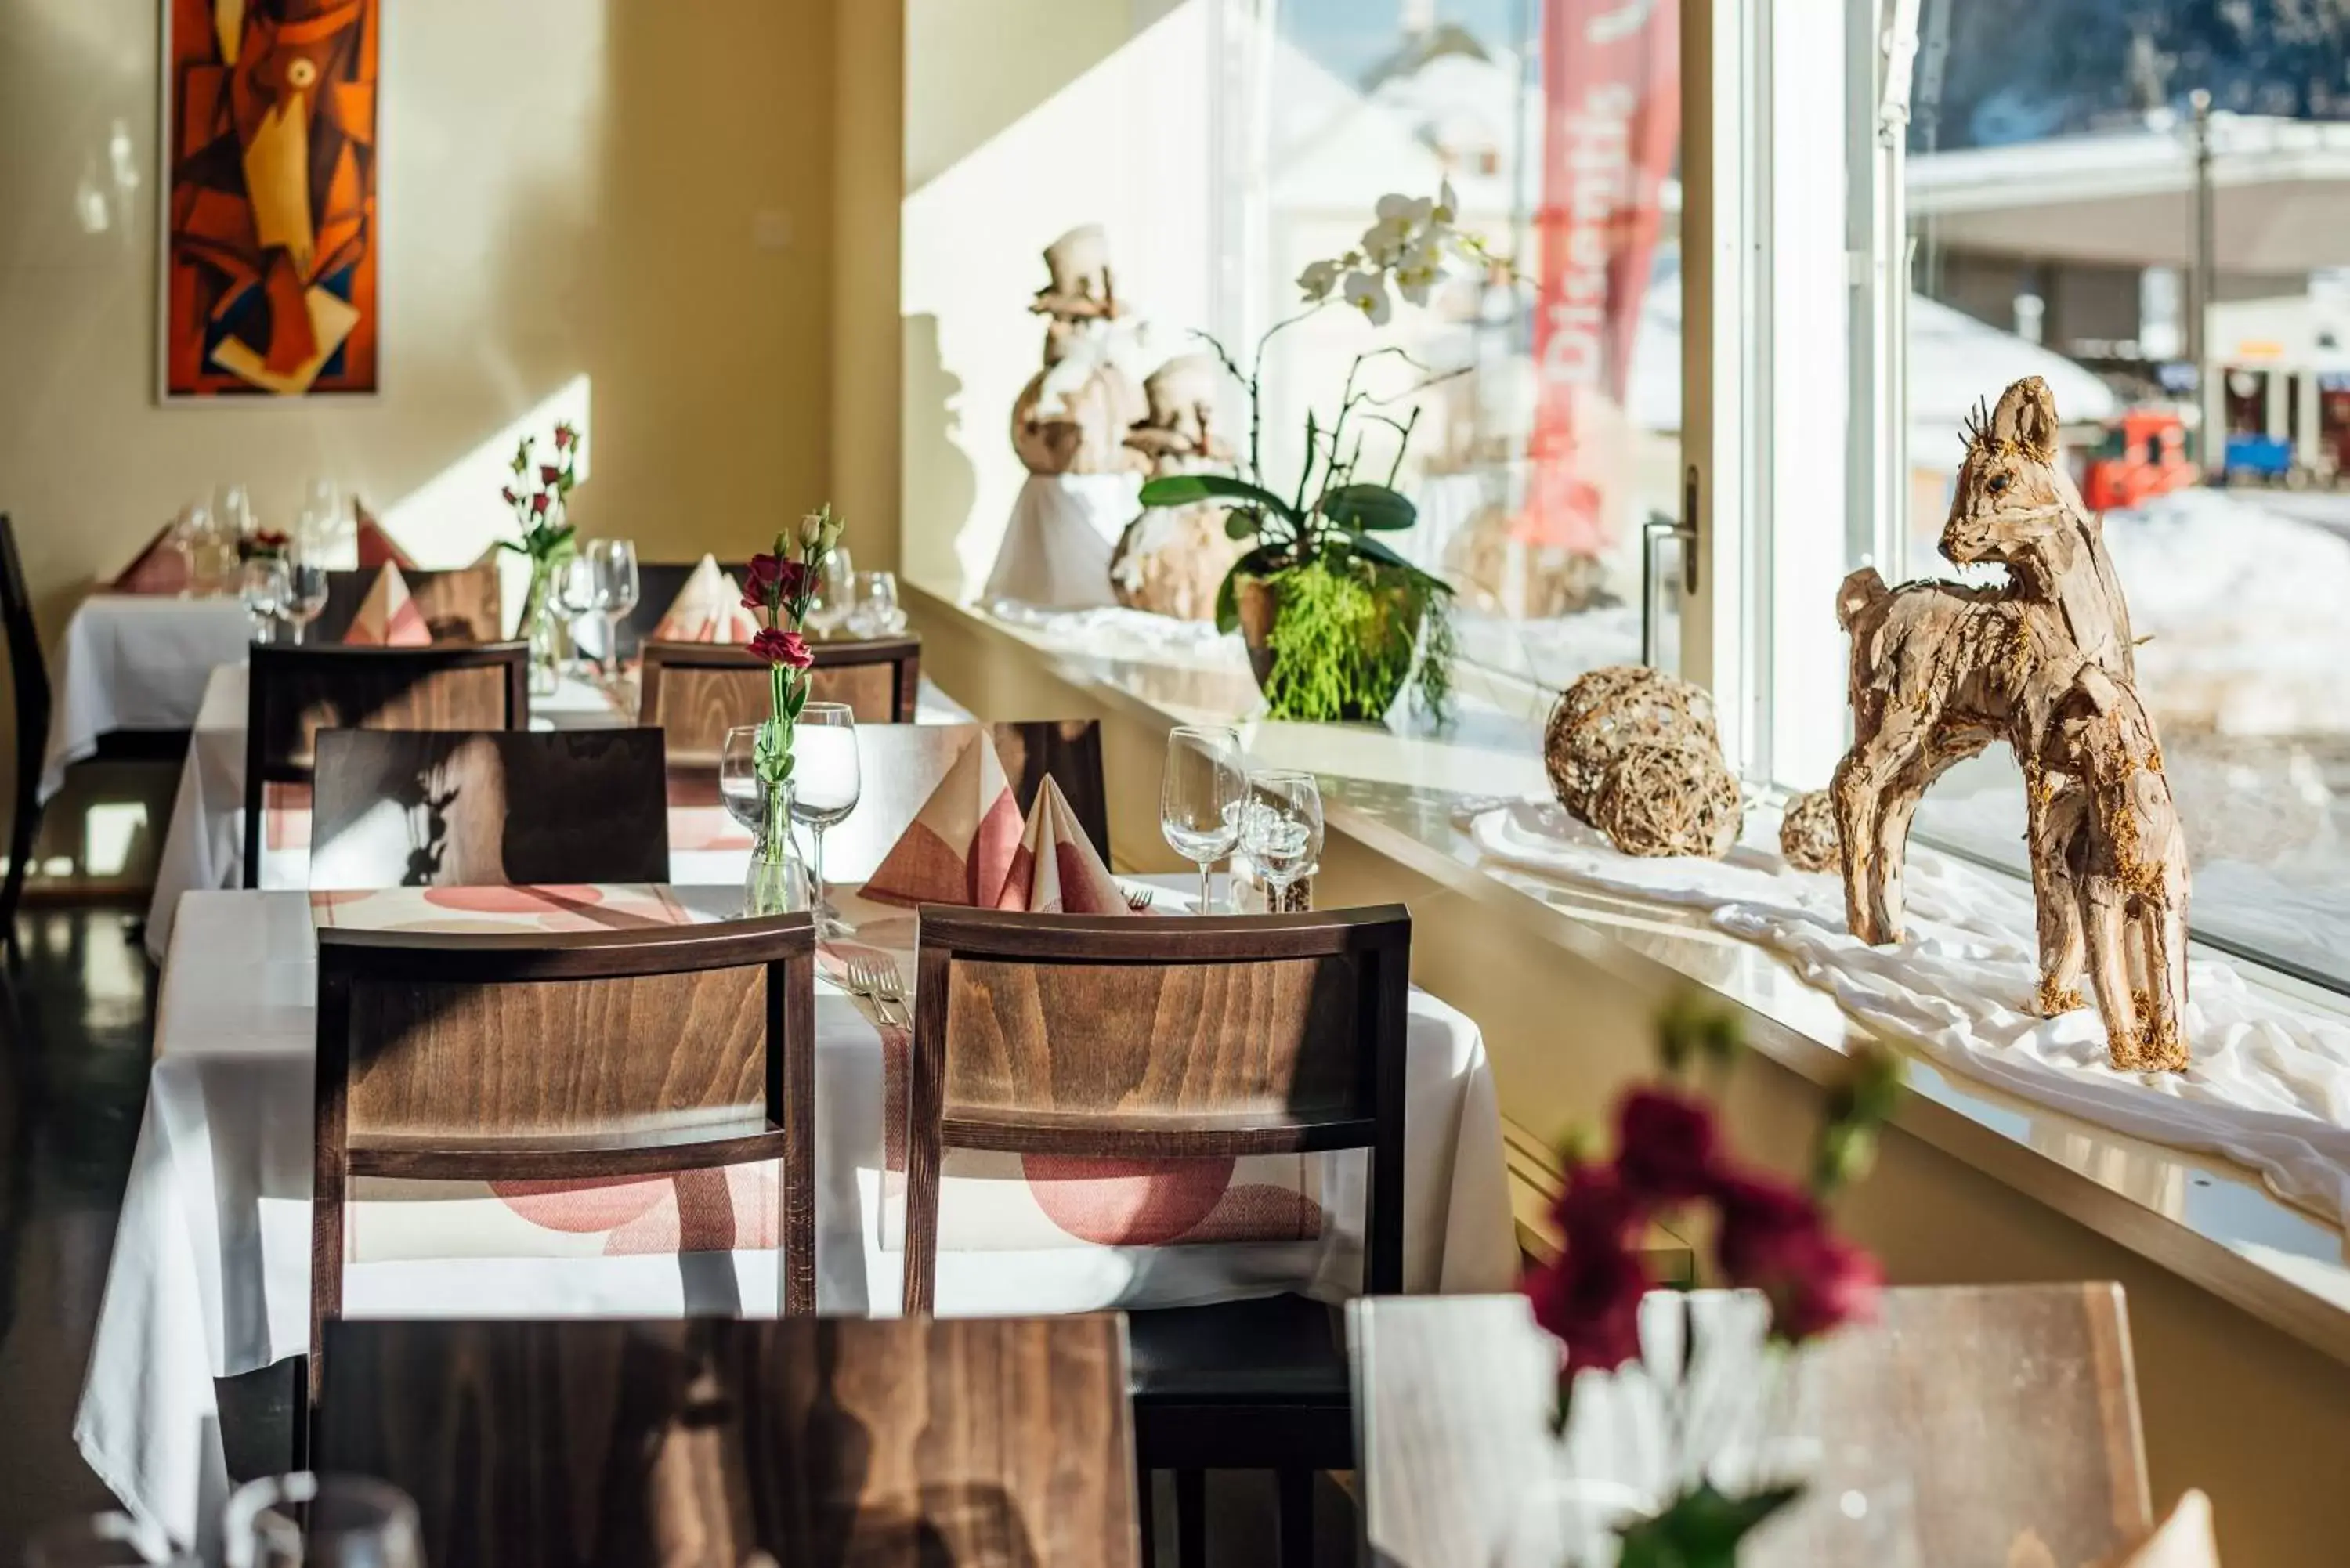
(1258, 601)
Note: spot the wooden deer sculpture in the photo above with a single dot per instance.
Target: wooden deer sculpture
(1941, 671)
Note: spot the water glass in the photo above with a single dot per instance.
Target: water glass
(738, 777)
(263, 585)
(874, 610)
(304, 594)
(1281, 828)
(576, 600)
(1200, 792)
(232, 511)
(613, 568)
(825, 783)
(306, 1520)
(835, 593)
(320, 529)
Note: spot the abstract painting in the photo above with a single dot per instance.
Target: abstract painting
(271, 263)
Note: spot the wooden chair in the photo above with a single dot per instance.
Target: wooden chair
(1134, 1038)
(699, 690)
(906, 1442)
(28, 678)
(494, 806)
(2004, 1408)
(512, 1057)
(461, 604)
(900, 764)
(295, 692)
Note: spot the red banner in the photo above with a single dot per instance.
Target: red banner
(1611, 122)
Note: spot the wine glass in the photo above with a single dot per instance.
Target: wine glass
(738, 777)
(192, 537)
(1281, 828)
(263, 585)
(824, 787)
(314, 526)
(576, 600)
(874, 611)
(97, 1541)
(306, 1520)
(835, 593)
(232, 511)
(1200, 792)
(612, 563)
(304, 594)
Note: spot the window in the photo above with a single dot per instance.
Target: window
(2150, 206)
(1556, 123)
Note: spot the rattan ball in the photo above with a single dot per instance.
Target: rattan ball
(1669, 798)
(1807, 833)
(1609, 710)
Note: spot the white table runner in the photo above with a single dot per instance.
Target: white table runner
(211, 1270)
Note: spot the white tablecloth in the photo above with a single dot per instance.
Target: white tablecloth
(204, 845)
(134, 662)
(211, 1270)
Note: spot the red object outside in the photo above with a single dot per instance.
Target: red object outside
(1611, 122)
(2143, 455)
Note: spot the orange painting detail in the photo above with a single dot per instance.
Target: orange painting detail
(271, 270)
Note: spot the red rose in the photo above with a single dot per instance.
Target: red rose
(762, 570)
(1589, 1300)
(564, 436)
(792, 579)
(1773, 1239)
(779, 647)
(1765, 1227)
(1595, 1205)
(548, 473)
(751, 599)
(539, 504)
(1665, 1146)
(510, 495)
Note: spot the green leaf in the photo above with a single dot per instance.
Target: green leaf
(1241, 524)
(1369, 506)
(1700, 1527)
(1183, 489)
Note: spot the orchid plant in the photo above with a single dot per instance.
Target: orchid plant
(1335, 643)
(778, 588)
(1769, 1235)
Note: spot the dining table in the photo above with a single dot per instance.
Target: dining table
(210, 1270)
(136, 662)
(203, 845)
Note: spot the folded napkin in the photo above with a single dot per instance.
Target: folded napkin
(2183, 1540)
(377, 548)
(160, 567)
(1056, 870)
(959, 847)
(709, 608)
(387, 618)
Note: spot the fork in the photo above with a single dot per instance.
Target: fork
(890, 991)
(858, 975)
(1138, 898)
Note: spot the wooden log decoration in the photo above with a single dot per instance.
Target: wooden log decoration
(1807, 833)
(1939, 672)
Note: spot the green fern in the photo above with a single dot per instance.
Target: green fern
(1343, 639)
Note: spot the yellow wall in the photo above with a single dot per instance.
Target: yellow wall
(641, 194)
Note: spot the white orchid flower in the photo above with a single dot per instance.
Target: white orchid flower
(1384, 241)
(1318, 279)
(1367, 292)
(1448, 205)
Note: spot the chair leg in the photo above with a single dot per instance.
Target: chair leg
(301, 1435)
(1293, 1510)
(1192, 1518)
(20, 854)
(1143, 1516)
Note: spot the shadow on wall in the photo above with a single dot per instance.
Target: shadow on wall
(939, 479)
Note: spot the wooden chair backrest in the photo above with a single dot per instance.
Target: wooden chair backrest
(395, 808)
(1141, 1037)
(28, 678)
(459, 604)
(699, 690)
(295, 692)
(2002, 1410)
(902, 1443)
(560, 1055)
(900, 764)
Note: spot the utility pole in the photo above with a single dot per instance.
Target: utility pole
(2204, 274)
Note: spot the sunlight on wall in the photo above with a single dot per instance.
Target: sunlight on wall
(1128, 144)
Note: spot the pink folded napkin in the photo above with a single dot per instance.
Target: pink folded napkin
(1056, 870)
(159, 568)
(388, 617)
(709, 608)
(959, 847)
(2183, 1540)
(377, 548)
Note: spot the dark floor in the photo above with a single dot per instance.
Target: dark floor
(78, 1019)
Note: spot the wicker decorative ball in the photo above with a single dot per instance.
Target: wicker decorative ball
(1807, 833)
(1669, 798)
(1608, 710)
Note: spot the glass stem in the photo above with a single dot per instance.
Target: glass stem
(816, 859)
(1207, 888)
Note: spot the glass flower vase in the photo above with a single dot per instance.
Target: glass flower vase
(543, 630)
(776, 881)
